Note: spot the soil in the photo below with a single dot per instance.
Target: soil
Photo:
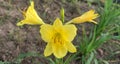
(15, 40)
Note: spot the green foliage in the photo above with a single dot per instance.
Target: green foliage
(4, 62)
(89, 60)
(23, 55)
(109, 19)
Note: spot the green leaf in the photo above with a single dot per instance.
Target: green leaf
(89, 60)
(51, 61)
(95, 61)
(23, 55)
(116, 37)
(105, 62)
(4, 62)
(98, 42)
(71, 57)
(108, 4)
(1, 62)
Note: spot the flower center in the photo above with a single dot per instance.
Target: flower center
(58, 38)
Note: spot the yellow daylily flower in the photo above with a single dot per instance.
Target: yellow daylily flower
(86, 17)
(30, 16)
(58, 38)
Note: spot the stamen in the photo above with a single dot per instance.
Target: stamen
(58, 38)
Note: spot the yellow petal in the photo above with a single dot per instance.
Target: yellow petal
(58, 26)
(59, 50)
(69, 32)
(86, 17)
(70, 47)
(47, 32)
(48, 50)
(31, 17)
(57, 23)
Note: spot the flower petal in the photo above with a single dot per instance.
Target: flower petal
(46, 32)
(59, 50)
(70, 32)
(58, 26)
(31, 17)
(57, 23)
(70, 47)
(48, 50)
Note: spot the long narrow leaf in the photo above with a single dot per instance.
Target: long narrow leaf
(90, 58)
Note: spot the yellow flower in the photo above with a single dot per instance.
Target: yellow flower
(30, 17)
(58, 38)
(86, 17)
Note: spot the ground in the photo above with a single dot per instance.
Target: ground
(15, 40)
